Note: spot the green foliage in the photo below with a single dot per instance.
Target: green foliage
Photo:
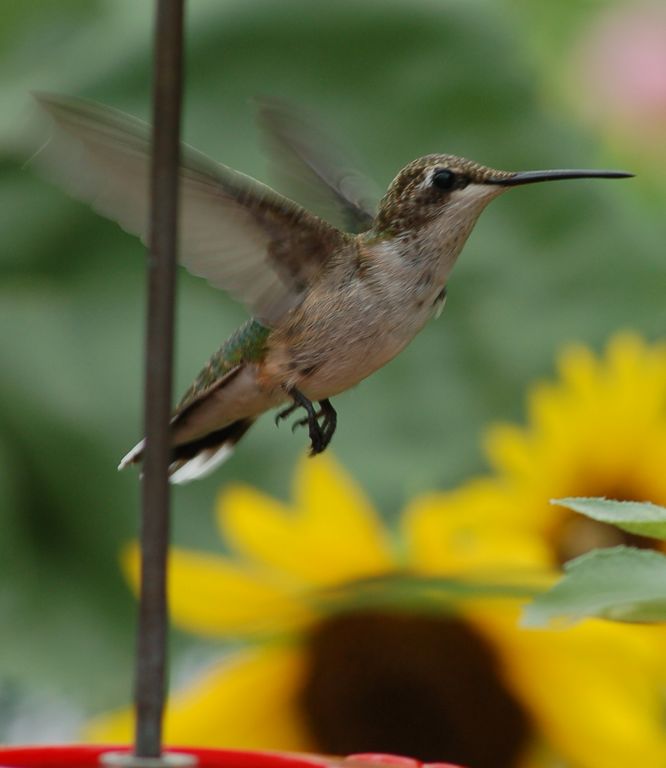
(620, 583)
(422, 593)
(641, 518)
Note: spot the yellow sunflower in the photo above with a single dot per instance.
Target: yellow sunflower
(598, 431)
(458, 682)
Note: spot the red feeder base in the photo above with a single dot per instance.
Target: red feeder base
(78, 756)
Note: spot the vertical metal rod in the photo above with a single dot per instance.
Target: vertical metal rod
(150, 673)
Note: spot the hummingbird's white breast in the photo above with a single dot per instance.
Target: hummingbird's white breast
(371, 303)
(350, 325)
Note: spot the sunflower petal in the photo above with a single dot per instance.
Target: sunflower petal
(466, 531)
(212, 596)
(248, 702)
(332, 535)
(593, 689)
(599, 430)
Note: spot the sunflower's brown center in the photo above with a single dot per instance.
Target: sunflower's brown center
(423, 686)
(577, 535)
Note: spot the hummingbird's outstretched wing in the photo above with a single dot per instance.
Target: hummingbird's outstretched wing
(308, 165)
(239, 234)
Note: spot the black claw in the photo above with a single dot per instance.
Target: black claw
(320, 433)
(305, 422)
(284, 413)
(298, 423)
(329, 421)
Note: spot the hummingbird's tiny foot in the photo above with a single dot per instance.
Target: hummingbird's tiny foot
(304, 422)
(287, 412)
(299, 423)
(319, 438)
(329, 419)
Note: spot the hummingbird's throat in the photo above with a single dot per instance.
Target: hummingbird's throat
(438, 243)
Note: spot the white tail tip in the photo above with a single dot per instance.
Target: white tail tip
(183, 471)
(132, 456)
(200, 465)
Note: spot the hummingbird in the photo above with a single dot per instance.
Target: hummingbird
(332, 300)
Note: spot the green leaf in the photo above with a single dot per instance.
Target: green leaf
(639, 517)
(618, 583)
(422, 592)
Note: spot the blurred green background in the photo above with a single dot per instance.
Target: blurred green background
(496, 81)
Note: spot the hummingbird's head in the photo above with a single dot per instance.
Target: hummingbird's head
(453, 191)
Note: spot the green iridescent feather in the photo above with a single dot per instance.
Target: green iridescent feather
(246, 344)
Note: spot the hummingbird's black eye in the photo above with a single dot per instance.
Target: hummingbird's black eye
(444, 179)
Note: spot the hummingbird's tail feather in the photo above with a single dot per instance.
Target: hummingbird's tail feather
(200, 465)
(198, 458)
(132, 457)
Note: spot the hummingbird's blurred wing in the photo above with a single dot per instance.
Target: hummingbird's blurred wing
(239, 234)
(309, 166)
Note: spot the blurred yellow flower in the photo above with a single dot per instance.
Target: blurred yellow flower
(456, 681)
(596, 690)
(598, 431)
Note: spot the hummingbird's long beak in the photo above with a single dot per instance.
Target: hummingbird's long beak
(531, 177)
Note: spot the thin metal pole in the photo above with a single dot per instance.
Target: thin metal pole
(150, 674)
